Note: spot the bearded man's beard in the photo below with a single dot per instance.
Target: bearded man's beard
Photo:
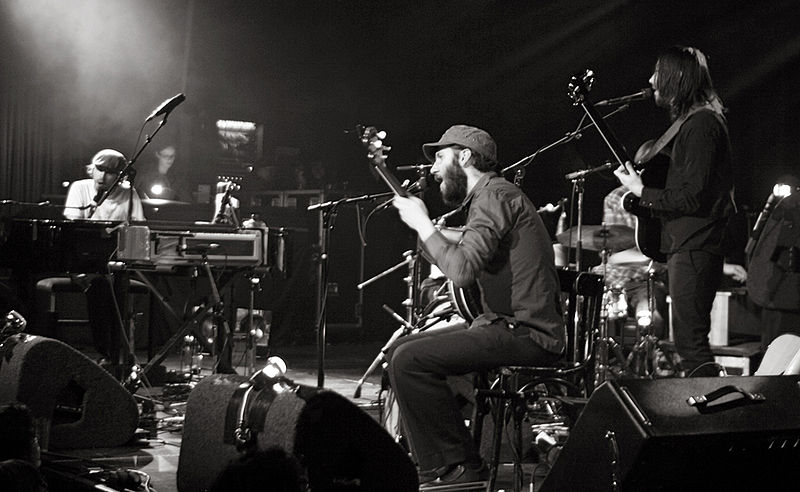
(454, 185)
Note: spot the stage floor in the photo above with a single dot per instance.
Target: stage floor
(158, 453)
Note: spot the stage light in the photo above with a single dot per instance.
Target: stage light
(782, 190)
(273, 373)
(208, 330)
(644, 318)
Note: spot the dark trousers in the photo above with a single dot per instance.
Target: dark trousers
(418, 367)
(694, 277)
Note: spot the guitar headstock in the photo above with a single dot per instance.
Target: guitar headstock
(372, 139)
(580, 85)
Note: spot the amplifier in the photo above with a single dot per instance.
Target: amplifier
(138, 245)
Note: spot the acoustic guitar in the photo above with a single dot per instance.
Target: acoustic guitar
(648, 227)
(466, 301)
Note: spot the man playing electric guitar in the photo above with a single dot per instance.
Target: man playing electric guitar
(507, 250)
(696, 201)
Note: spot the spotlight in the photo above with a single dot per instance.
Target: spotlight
(274, 372)
(644, 318)
(782, 190)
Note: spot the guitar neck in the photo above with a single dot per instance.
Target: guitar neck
(620, 154)
(391, 180)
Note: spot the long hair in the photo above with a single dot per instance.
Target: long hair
(684, 80)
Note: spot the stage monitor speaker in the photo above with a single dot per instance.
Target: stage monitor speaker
(340, 446)
(75, 403)
(643, 435)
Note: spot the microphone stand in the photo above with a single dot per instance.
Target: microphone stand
(120, 281)
(521, 164)
(578, 179)
(328, 211)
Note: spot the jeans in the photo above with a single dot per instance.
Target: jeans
(418, 367)
(694, 277)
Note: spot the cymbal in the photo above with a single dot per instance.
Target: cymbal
(160, 202)
(598, 237)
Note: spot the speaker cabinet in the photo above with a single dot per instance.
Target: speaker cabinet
(333, 439)
(75, 403)
(644, 435)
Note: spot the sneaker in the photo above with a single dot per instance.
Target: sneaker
(459, 474)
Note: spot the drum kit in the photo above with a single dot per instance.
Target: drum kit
(616, 246)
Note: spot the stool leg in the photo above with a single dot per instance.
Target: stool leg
(499, 415)
(519, 413)
(479, 410)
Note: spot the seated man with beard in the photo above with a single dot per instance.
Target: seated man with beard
(506, 249)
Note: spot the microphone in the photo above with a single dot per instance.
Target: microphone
(167, 106)
(416, 167)
(760, 222)
(638, 96)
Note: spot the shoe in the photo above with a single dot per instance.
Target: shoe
(459, 474)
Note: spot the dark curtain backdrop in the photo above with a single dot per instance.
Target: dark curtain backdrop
(26, 128)
(80, 75)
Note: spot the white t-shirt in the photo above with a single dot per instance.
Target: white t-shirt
(115, 207)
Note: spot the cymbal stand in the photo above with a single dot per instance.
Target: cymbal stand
(254, 285)
(578, 189)
(605, 344)
(643, 359)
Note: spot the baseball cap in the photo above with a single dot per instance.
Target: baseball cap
(473, 138)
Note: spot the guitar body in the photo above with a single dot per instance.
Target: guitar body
(466, 300)
(648, 227)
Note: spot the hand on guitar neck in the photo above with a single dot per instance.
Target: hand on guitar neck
(628, 176)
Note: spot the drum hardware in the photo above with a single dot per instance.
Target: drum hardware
(613, 237)
(644, 356)
(605, 344)
(410, 260)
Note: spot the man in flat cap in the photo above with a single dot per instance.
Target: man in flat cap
(506, 249)
(83, 194)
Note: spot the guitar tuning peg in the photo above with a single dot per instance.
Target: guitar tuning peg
(381, 134)
(387, 148)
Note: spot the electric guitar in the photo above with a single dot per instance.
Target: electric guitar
(648, 228)
(466, 301)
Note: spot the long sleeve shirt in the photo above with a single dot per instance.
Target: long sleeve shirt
(698, 197)
(505, 247)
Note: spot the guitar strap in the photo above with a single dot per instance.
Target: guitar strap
(649, 150)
